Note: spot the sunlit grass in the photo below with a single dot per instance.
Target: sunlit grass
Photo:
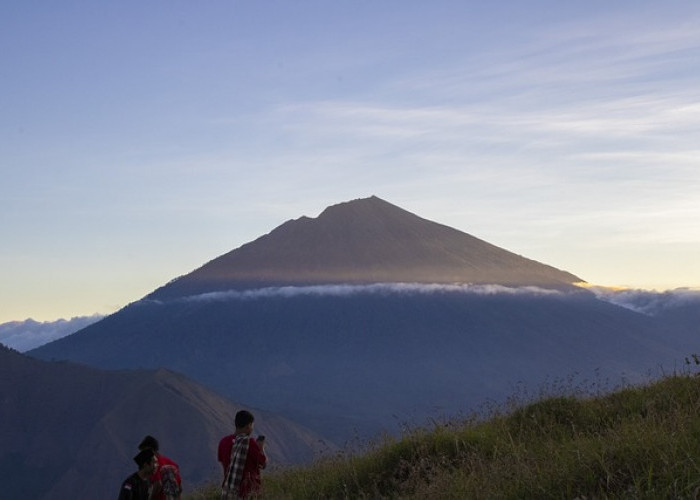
(636, 443)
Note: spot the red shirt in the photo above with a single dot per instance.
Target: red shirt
(164, 462)
(254, 462)
(224, 453)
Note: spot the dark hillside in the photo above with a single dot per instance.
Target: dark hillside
(358, 359)
(70, 431)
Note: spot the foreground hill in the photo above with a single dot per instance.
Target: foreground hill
(639, 442)
(70, 431)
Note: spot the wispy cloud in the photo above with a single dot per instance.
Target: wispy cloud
(551, 130)
(591, 122)
(347, 290)
(29, 334)
(641, 301)
(649, 302)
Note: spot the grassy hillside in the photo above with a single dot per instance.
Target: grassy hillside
(639, 442)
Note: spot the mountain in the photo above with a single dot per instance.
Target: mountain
(368, 318)
(29, 334)
(364, 241)
(70, 431)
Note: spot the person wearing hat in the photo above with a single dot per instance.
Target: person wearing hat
(137, 486)
(167, 484)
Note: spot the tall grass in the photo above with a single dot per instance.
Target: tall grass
(636, 443)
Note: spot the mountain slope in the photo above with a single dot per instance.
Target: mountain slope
(347, 355)
(347, 361)
(69, 431)
(365, 241)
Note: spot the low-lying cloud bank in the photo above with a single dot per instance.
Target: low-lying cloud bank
(28, 334)
(642, 301)
(347, 290)
(649, 302)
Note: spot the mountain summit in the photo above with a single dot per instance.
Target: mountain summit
(365, 241)
(356, 361)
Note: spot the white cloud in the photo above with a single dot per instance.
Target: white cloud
(649, 302)
(29, 334)
(344, 290)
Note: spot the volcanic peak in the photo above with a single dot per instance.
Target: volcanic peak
(363, 241)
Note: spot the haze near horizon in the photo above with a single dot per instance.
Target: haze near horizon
(143, 140)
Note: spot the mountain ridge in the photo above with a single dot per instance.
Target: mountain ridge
(358, 363)
(366, 240)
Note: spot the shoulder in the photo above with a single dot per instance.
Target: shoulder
(226, 443)
(163, 460)
(227, 440)
(225, 447)
(131, 482)
(134, 478)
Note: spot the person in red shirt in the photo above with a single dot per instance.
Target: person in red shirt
(242, 458)
(167, 483)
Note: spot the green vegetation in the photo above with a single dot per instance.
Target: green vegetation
(636, 443)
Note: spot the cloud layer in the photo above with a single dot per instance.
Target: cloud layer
(29, 334)
(642, 301)
(648, 302)
(346, 290)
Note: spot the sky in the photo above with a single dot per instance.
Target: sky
(139, 140)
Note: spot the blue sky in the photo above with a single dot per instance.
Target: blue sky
(139, 140)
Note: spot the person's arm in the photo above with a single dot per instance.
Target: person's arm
(179, 482)
(258, 453)
(221, 451)
(224, 453)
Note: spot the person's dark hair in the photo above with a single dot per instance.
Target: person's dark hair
(144, 457)
(243, 418)
(149, 442)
